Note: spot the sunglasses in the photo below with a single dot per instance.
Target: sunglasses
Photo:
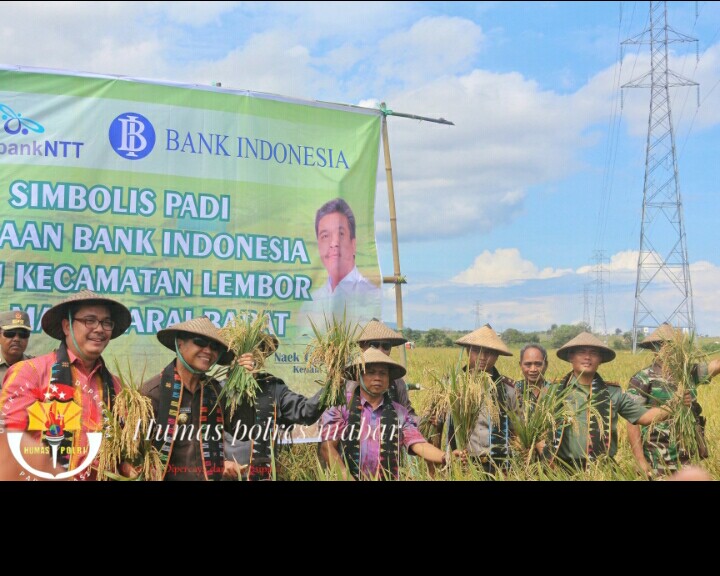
(203, 343)
(10, 334)
(381, 345)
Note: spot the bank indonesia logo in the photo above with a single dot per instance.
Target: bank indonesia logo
(132, 136)
(14, 123)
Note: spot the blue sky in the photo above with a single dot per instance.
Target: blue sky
(507, 208)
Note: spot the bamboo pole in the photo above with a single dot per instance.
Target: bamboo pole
(396, 278)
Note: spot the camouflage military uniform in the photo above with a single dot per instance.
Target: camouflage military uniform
(650, 388)
(585, 439)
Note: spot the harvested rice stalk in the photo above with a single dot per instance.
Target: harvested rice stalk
(246, 335)
(679, 358)
(127, 433)
(473, 394)
(330, 352)
(437, 407)
(538, 418)
(464, 394)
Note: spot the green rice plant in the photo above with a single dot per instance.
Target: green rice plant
(127, 433)
(246, 334)
(330, 352)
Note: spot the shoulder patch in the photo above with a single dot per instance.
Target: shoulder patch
(507, 381)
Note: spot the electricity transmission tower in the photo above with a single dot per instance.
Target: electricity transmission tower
(663, 292)
(586, 304)
(477, 314)
(599, 324)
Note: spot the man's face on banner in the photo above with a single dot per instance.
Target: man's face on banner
(337, 249)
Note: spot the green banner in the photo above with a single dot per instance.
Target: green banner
(181, 201)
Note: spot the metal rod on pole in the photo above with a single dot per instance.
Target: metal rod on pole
(397, 278)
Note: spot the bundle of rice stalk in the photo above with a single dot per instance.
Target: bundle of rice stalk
(473, 395)
(437, 406)
(127, 434)
(679, 358)
(538, 418)
(330, 352)
(246, 335)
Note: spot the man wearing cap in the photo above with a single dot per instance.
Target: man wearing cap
(14, 337)
(84, 324)
(188, 429)
(658, 454)
(488, 444)
(371, 428)
(595, 405)
(257, 431)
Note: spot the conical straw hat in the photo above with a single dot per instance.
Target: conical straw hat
(202, 326)
(586, 339)
(485, 337)
(663, 333)
(376, 330)
(374, 356)
(52, 319)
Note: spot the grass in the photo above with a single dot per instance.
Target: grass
(424, 364)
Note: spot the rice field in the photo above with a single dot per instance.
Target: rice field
(301, 462)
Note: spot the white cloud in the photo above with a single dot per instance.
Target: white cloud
(193, 14)
(422, 53)
(505, 267)
(620, 269)
(509, 136)
(270, 62)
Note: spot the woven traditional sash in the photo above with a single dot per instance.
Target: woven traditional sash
(171, 391)
(500, 435)
(389, 447)
(597, 441)
(61, 377)
(266, 418)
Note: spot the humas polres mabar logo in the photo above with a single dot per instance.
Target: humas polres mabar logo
(132, 136)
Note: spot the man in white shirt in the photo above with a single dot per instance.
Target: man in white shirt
(346, 288)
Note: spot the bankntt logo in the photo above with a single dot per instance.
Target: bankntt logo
(58, 420)
(14, 123)
(132, 136)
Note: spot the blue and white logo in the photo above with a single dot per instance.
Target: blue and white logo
(132, 136)
(15, 123)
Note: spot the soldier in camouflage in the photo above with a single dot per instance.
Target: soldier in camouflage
(654, 450)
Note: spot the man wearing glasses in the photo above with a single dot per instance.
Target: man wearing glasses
(14, 337)
(75, 373)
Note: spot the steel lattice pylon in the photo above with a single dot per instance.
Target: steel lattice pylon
(663, 290)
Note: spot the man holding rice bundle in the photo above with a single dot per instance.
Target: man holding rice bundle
(254, 438)
(377, 335)
(655, 450)
(188, 428)
(488, 443)
(594, 406)
(368, 433)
